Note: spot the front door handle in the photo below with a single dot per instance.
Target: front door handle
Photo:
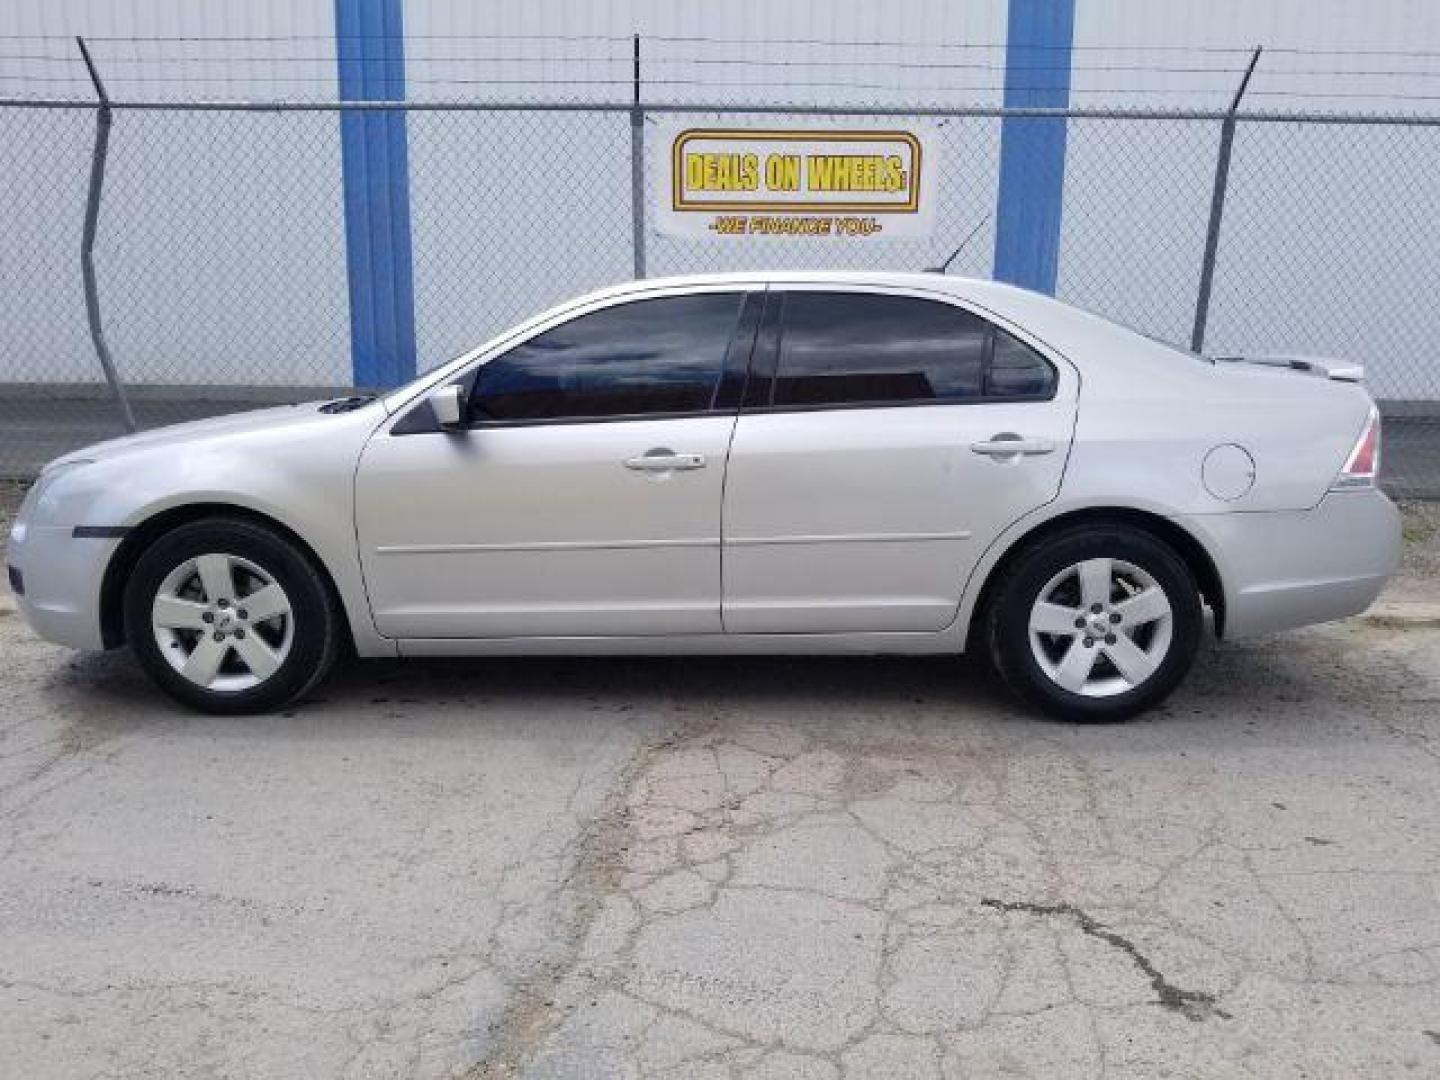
(1009, 445)
(663, 459)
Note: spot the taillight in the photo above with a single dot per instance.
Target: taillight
(1363, 464)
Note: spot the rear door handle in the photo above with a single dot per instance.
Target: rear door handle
(1006, 445)
(663, 459)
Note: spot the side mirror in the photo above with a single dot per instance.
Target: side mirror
(448, 403)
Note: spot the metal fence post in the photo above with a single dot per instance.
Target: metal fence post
(637, 164)
(1217, 208)
(87, 240)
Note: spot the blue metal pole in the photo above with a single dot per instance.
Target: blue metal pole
(1032, 150)
(370, 41)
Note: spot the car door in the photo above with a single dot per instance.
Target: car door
(886, 438)
(582, 496)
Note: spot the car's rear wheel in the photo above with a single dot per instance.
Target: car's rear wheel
(1095, 623)
(229, 616)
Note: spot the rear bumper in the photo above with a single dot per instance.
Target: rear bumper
(62, 576)
(1287, 569)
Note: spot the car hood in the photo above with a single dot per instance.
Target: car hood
(277, 419)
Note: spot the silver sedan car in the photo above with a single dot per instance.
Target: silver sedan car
(757, 463)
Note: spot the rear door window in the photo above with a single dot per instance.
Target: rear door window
(854, 348)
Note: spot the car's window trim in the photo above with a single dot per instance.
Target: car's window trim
(618, 418)
(940, 403)
(773, 331)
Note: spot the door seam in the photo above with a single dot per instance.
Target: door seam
(730, 443)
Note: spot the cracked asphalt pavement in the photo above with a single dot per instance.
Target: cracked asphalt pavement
(731, 868)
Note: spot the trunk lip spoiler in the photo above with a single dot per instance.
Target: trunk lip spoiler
(1327, 367)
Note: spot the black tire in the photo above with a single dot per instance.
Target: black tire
(313, 624)
(1007, 621)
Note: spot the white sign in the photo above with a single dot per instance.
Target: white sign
(822, 184)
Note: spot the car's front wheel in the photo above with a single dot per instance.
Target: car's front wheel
(229, 616)
(1097, 622)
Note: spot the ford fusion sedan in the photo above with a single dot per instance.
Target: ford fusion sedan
(767, 463)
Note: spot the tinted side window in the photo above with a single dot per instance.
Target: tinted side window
(1016, 370)
(649, 356)
(841, 348)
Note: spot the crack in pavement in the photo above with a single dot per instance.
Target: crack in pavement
(532, 1013)
(816, 891)
(1193, 1004)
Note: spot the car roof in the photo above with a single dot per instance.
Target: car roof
(896, 278)
(1021, 306)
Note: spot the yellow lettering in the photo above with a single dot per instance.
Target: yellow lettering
(894, 174)
(854, 172)
(722, 172)
(782, 172)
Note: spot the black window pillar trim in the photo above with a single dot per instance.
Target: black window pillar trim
(759, 389)
(987, 359)
(740, 353)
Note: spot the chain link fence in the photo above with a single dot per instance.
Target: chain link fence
(222, 266)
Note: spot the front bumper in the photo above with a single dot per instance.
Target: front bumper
(62, 576)
(1287, 569)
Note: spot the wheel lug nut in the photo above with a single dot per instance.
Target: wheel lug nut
(219, 636)
(1089, 643)
(239, 631)
(224, 603)
(1114, 616)
(1109, 639)
(1096, 608)
(208, 616)
(242, 613)
(1079, 624)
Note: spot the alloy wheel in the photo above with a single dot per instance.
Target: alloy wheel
(223, 622)
(1101, 627)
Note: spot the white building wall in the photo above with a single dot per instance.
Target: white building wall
(1327, 230)
(221, 250)
(485, 257)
